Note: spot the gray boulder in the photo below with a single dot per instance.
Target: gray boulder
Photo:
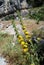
(10, 5)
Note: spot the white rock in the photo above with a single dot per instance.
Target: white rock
(1, 25)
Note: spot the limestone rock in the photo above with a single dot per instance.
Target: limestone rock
(24, 4)
(10, 5)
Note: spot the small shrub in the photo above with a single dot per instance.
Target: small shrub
(37, 13)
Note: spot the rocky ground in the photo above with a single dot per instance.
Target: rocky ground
(6, 26)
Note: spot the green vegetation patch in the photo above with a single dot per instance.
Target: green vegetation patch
(37, 13)
(5, 38)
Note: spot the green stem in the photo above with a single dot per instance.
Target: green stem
(15, 27)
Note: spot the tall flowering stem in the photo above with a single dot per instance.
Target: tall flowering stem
(33, 55)
(20, 39)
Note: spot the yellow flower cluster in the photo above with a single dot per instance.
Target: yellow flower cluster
(25, 32)
(23, 43)
(20, 38)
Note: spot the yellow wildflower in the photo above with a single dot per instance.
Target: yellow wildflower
(25, 46)
(27, 36)
(22, 43)
(19, 36)
(20, 40)
(30, 40)
(23, 27)
(25, 50)
(38, 39)
(26, 33)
